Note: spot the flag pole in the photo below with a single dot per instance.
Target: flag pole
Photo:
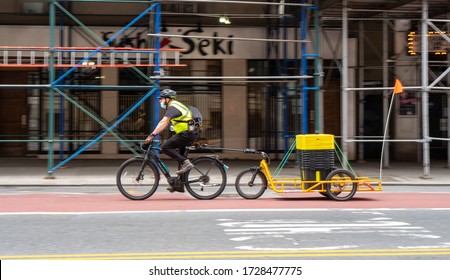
(398, 88)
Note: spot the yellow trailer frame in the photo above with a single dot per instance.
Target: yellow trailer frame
(296, 184)
(339, 185)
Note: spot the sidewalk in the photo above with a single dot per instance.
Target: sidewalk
(93, 172)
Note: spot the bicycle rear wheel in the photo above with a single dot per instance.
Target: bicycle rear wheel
(136, 179)
(343, 188)
(251, 183)
(207, 179)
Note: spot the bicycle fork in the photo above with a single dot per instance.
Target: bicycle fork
(255, 170)
(140, 175)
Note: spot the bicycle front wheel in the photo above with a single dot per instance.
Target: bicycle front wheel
(136, 179)
(251, 183)
(207, 179)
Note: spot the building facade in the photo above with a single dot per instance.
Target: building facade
(239, 112)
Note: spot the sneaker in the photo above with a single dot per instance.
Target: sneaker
(177, 188)
(186, 166)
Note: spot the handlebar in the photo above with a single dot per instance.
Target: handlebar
(253, 151)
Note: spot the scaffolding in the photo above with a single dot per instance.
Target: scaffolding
(281, 40)
(425, 88)
(307, 30)
(59, 59)
(71, 58)
(65, 60)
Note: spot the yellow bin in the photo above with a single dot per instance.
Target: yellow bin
(315, 156)
(315, 141)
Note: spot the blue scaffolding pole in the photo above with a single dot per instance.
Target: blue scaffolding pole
(302, 85)
(304, 69)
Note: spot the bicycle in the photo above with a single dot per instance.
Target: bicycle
(138, 178)
(340, 184)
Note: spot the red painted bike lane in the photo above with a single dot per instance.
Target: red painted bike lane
(82, 203)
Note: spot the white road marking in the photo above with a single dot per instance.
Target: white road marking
(253, 233)
(444, 245)
(296, 249)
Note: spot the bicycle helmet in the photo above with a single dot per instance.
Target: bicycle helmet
(168, 93)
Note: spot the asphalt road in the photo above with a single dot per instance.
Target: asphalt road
(101, 224)
(311, 234)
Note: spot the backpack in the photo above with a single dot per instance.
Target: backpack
(197, 119)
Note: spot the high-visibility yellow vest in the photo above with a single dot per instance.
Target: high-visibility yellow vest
(180, 124)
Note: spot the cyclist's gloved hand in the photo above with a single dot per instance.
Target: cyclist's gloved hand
(149, 138)
(147, 141)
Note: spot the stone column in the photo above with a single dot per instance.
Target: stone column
(234, 106)
(109, 107)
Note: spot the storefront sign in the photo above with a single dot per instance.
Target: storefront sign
(437, 44)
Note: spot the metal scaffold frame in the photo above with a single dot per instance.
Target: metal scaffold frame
(53, 59)
(310, 10)
(425, 88)
(55, 83)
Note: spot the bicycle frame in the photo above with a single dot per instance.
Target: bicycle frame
(153, 158)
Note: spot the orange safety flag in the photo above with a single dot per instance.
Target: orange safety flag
(398, 88)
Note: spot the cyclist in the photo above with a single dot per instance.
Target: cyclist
(178, 116)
